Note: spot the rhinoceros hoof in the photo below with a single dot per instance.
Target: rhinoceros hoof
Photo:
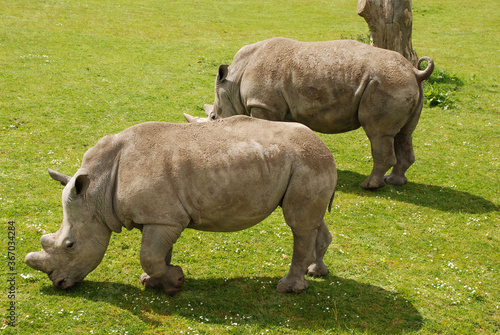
(317, 270)
(169, 287)
(395, 180)
(149, 282)
(372, 184)
(296, 286)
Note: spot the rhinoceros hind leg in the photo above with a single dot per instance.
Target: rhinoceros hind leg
(304, 254)
(304, 209)
(384, 118)
(384, 158)
(323, 240)
(405, 156)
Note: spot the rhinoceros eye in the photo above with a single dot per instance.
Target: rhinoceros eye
(69, 245)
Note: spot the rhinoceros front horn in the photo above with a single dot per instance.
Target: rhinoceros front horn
(189, 118)
(62, 178)
(37, 260)
(194, 119)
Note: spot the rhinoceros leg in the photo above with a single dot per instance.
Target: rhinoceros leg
(384, 158)
(403, 147)
(149, 282)
(156, 252)
(405, 157)
(304, 206)
(304, 253)
(323, 240)
(389, 115)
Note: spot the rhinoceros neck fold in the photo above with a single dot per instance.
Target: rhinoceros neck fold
(104, 198)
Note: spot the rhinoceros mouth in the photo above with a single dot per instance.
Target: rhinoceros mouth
(61, 282)
(64, 284)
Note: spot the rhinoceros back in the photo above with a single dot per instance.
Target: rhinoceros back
(193, 173)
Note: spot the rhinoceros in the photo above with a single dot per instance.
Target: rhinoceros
(331, 87)
(218, 176)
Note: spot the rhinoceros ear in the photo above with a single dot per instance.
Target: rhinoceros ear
(208, 109)
(81, 183)
(62, 178)
(223, 71)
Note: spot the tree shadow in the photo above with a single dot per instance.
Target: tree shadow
(329, 303)
(433, 196)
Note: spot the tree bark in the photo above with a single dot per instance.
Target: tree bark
(390, 24)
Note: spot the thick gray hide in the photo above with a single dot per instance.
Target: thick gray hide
(331, 87)
(224, 176)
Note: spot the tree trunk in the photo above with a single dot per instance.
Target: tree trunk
(390, 24)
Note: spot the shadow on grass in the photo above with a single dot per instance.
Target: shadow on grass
(328, 303)
(433, 196)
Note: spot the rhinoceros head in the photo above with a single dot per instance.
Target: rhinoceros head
(227, 96)
(79, 245)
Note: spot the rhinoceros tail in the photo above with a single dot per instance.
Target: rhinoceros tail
(425, 73)
(331, 201)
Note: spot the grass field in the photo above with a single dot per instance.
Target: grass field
(423, 258)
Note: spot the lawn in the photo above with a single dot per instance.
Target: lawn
(422, 258)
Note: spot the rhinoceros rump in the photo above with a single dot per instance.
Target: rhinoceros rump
(226, 175)
(331, 87)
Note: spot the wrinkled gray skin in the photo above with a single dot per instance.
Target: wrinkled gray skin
(332, 87)
(222, 176)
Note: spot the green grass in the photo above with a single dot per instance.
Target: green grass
(423, 258)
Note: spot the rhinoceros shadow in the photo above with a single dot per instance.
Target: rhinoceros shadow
(330, 303)
(433, 196)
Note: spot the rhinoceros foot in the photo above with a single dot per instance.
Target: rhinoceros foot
(149, 282)
(295, 285)
(317, 270)
(395, 180)
(373, 183)
(171, 283)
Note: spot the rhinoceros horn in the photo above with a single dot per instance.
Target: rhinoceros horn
(194, 119)
(190, 118)
(62, 178)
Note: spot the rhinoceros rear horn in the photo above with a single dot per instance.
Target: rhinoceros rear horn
(62, 178)
(223, 71)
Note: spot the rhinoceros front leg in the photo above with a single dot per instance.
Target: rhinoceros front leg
(304, 254)
(156, 252)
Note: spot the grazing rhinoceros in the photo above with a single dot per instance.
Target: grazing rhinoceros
(220, 176)
(331, 87)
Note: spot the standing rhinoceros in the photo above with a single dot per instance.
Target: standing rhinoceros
(221, 176)
(331, 87)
